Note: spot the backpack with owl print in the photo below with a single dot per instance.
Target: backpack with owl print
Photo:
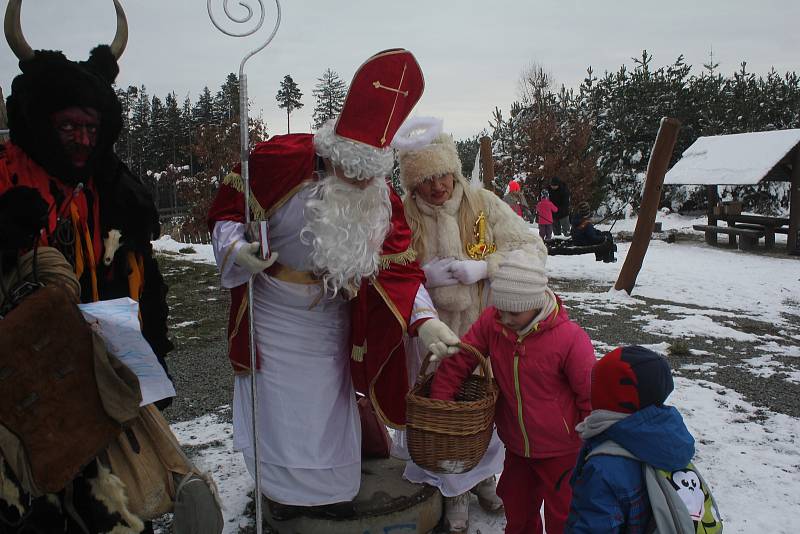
(681, 500)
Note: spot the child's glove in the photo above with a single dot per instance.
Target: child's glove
(249, 258)
(468, 272)
(437, 273)
(438, 338)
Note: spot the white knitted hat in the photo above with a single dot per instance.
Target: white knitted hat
(438, 158)
(519, 284)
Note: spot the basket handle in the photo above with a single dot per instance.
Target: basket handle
(486, 369)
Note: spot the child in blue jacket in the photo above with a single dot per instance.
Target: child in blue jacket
(628, 390)
(584, 233)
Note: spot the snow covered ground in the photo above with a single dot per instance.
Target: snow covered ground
(750, 456)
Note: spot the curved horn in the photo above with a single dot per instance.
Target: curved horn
(13, 29)
(121, 38)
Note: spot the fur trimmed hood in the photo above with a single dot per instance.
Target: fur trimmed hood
(436, 159)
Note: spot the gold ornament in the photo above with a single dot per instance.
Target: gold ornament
(480, 249)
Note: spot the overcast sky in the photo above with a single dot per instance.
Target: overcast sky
(471, 53)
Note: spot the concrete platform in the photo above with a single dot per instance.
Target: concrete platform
(385, 504)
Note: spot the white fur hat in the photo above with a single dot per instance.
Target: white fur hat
(438, 158)
(519, 284)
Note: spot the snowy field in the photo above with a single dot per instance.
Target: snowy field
(750, 456)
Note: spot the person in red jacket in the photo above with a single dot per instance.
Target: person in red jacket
(542, 362)
(545, 210)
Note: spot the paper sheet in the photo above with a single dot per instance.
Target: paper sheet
(117, 322)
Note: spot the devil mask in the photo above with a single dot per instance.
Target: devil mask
(51, 83)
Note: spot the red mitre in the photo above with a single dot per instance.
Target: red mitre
(382, 94)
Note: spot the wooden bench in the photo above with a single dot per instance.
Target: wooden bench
(769, 231)
(747, 237)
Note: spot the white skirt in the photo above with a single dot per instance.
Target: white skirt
(309, 428)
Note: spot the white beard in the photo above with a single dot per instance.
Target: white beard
(346, 227)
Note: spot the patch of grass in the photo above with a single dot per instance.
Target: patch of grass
(187, 250)
(679, 348)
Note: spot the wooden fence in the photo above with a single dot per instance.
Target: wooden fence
(171, 225)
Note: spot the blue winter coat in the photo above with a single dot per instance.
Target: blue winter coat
(584, 233)
(608, 492)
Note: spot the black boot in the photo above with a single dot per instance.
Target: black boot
(338, 510)
(284, 512)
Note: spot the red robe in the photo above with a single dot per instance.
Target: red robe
(381, 311)
(18, 169)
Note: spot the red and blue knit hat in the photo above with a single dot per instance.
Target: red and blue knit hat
(628, 379)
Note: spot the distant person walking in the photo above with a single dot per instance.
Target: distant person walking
(515, 198)
(559, 195)
(545, 211)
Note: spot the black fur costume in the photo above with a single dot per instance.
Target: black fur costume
(48, 83)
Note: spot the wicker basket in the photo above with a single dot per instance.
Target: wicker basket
(451, 436)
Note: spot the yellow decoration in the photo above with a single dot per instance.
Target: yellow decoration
(401, 258)
(480, 249)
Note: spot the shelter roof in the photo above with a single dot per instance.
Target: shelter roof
(738, 159)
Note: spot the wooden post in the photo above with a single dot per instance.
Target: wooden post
(793, 244)
(3, 117)
(713, 200)
(487, 163)
(656, 169)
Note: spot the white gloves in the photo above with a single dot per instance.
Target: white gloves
(437, 273)
(438, 338)
(469, 271)
(449, 272)
(248, 258)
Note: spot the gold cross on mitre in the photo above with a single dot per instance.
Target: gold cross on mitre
(388, 84)
(397, 92)
(378, 85)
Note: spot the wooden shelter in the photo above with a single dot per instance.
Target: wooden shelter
(744, 159)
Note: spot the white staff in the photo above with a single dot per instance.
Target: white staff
(244, 155)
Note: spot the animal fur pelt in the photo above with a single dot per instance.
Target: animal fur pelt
(94, 502)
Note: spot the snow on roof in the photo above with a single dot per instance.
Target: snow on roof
(738, 159)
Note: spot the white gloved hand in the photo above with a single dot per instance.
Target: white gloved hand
(437, 273)
(438, 338)
(468, 272)
(248, 258)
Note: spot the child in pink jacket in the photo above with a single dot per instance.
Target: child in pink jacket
(544, 215)
(542, 362)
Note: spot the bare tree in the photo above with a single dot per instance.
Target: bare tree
(535, 82)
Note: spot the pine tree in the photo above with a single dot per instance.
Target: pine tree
(140, 132)
(203, 111)
(467, 150)
(159, 137)
(127, 99)
(288, 97)
(330, 93)
(175, 151)
(226, 101)
(187, 132)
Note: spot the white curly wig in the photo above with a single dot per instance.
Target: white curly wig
(357, 160)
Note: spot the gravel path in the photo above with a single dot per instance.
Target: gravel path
(198, 328)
